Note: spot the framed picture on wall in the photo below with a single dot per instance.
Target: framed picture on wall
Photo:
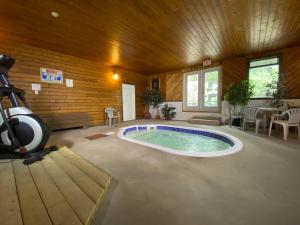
(155, 83)
(51, 76)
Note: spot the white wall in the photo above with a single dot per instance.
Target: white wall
(180, 115)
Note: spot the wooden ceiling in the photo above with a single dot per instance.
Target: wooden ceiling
(152, 36)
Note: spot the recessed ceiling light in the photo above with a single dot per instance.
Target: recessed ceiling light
(55, 14)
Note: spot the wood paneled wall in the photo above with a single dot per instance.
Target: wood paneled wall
(291, 71)
(94, 89)
(236, 69)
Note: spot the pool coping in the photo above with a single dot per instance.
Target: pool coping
(238, 145)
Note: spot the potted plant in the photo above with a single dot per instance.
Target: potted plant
(276, 90)
(147, 98)
(168, 112)
(238, 95)
(156, 100)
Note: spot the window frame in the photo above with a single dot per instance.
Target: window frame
(262, 58)
(201, 79)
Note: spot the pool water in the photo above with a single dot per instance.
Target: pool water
(180, 141)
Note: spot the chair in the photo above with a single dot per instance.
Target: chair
(287, 119)
(111, 114)
(250, 115)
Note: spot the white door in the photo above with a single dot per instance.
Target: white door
(128, 99)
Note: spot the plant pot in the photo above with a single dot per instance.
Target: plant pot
(157, 117)
(147, 115)
(236, 121)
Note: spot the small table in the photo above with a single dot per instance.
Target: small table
(266, 111)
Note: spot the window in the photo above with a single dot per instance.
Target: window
(211, 90)
(192, 90)
(261, 73)
(202, 90)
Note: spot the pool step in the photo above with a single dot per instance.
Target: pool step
(206, 120)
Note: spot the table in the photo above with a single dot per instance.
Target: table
(266, 111)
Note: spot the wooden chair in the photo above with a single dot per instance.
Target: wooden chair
(250, 115)
(288, 118)
(111, 114)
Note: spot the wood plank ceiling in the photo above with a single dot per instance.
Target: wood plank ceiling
(152, 36)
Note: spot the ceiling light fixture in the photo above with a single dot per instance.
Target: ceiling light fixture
(55, 14)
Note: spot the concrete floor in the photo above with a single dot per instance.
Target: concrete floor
(259, 185)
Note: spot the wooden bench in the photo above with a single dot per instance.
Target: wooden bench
(67, 120)
(62, 189)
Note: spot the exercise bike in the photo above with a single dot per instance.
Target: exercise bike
(22, 133)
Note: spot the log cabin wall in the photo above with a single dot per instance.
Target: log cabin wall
(291, 71)
(236, 69)
(94, 89)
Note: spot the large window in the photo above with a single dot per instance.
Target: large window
(202, 90)
(263, 72)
